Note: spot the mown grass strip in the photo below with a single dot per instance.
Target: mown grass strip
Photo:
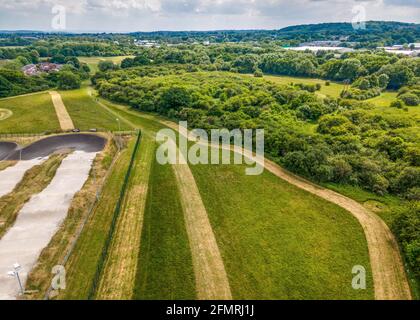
(119, 275)
(33, 182)
(165, 268)
(115, 216)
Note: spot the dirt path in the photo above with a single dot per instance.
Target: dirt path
(210, 274)
(63, 116)
(389, 277)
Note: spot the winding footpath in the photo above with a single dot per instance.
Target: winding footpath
(389, 277)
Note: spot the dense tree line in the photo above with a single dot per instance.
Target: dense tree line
(371, 72)
(351, 145)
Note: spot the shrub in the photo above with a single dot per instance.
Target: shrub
(410, 99)
(407, 228)
(397, 104)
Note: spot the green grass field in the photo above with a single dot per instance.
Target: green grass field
(165, 265)
(92, 62)
(333, 90)
(31, 114)
(279, 242)
(86, 113)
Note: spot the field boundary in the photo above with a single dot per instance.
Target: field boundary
(117, 211)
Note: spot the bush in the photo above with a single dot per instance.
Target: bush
(258, 73)
(327, 83)
(397, 104)
(410, 99)
(407, 228)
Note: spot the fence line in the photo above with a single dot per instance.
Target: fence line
(116, 214)
(89, 213)
(43, 134)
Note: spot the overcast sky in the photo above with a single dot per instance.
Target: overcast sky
(149, 15)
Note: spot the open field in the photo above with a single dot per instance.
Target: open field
(92, 62)
(165, 268)
(279, 242)
(334, 89)
(31, 114)
(87, 114)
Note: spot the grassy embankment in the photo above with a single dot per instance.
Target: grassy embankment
(163, 269)
(31, 114)
(82, 264)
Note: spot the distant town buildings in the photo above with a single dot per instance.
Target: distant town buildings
(36, 69)
(412, 49)
(321, 48)
(146, 43)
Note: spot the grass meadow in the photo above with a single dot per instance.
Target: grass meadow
(165, 268)
(31, 114)
(279, 242)
(87, 114)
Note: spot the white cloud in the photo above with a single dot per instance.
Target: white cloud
(128, 15)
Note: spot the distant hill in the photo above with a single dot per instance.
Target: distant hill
(345, 27)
